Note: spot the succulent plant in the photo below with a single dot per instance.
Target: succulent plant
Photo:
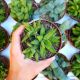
(76, 65)
(40, 40)
(21, 10)
(73, 8)
(52, 10)
(57, 70)
(3, 71)
(2, 12)
(2, 38)
(75, 35)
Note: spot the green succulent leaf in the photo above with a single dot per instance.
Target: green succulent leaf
(21, 10)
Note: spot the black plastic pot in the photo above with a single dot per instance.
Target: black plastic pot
(6, 39)
(52, 25)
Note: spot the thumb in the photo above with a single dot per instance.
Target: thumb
(44, 64)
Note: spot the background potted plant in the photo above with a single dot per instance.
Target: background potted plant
(73, 35)
(41, 40)
(73, 7)
(63, 63)
(21, 10)
(4, 38)
(4, 11)
(75, 65)
(51, 9)
(4, 67)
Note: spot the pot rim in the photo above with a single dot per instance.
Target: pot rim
(7, 39)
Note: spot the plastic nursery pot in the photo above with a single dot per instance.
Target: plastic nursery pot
(37, 5)
(69, 34)
(4, 67)
(6, 9)
(75, 64)
(73, 17)
(21, 13)
(48, 25)
(4, 39)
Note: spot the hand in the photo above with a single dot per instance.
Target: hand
(20, 68)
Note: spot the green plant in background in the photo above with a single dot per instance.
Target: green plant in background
(41, 41)
(21, 10)
(53, 10)
(2, 38)
(75, 35)
(73, 8)
(2, 12)
(54, 73)
(3, 71)
(76, 65)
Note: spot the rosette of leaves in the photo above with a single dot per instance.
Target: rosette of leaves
(21, 10)
(73, 8)
(3, 71)
(75, 35)
(63, 66)
(2, 11)
(4, 38)
(4, 67)
(52, 10)
(75, 63)
(40, 41)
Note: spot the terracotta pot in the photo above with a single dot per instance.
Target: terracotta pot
(7, 39)
(7, 10)
(6, 63)
(58, 32)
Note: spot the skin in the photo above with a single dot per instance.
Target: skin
(20, 68)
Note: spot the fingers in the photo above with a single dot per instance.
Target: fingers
(44, 64)
(15, 44)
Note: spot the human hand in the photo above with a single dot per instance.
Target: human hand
(20, 68)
